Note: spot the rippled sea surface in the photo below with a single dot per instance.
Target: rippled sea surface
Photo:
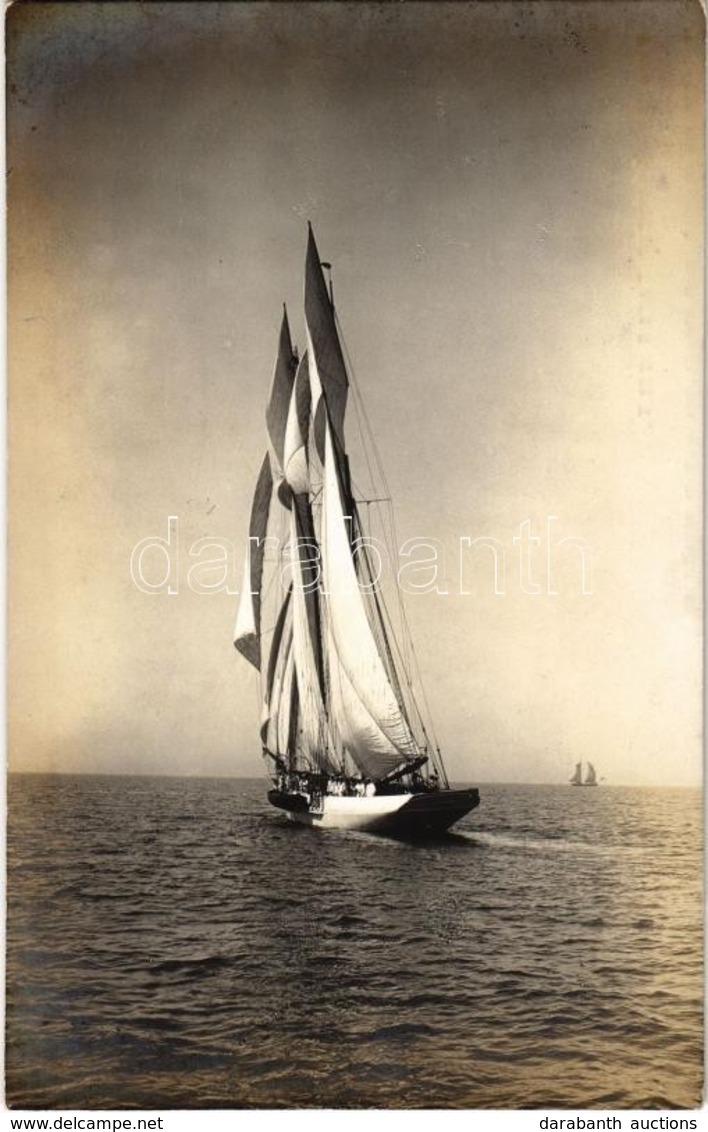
(175, 943)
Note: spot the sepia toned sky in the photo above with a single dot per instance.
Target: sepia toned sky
(511, 196)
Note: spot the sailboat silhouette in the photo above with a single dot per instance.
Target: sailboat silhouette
(342, 730)
(590, 778)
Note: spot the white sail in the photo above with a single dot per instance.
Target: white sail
(279, 702)
(279, 404)
(576, 780)
(282, 716)
(591, 776)
(357, 732)
(366, 713)
(247, 630)
(313, 730)
(295, 463)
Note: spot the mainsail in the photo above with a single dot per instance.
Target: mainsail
(332, 698)
(368, 716)
(577, 780)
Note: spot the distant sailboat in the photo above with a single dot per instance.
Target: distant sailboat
(590, 778)
(341, 729)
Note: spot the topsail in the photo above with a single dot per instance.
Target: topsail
(329, 375)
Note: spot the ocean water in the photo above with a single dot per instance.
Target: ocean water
(175, 943)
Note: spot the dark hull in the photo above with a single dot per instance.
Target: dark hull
(410, 816)
(430, 814)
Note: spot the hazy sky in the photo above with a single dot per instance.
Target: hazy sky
(511, 195)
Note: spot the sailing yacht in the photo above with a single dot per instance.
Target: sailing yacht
(344, 737)
(590, 778)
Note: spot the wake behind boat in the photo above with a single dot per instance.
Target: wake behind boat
(342, 731)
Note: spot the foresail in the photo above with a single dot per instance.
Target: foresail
(366, 713)
(247, 631)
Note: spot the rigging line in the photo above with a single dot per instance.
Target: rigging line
(392, 550)
(334, 737)
(408, 652)
(409, 682)
(366, 431)
(406, 633)
(409, 658)
(402, 644)
(368, 441)
(425, 701)
(266, 594)
(361, 412)
(257, 686)
(384, 618)
(377, 526)
(389, 515)
(373, 588)
(362, 437)
(355, 386)
(388, 531)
